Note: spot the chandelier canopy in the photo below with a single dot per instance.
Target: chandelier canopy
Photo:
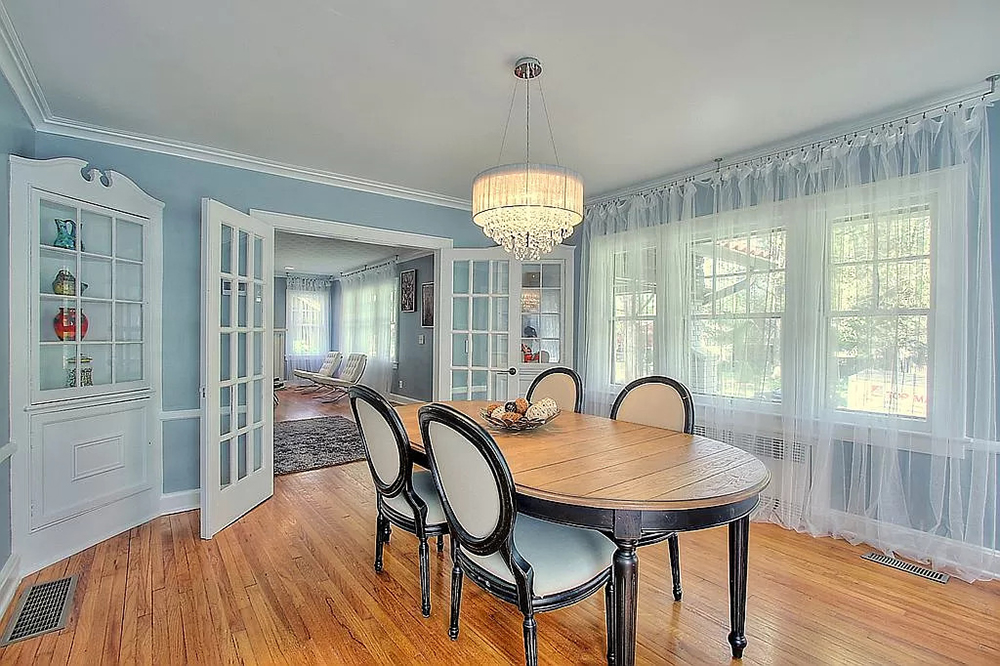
(528, 208)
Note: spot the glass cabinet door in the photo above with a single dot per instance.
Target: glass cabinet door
(89, 270)
(542, 309)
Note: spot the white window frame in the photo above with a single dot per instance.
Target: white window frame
(947, 398)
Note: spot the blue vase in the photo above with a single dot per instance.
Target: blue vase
(66, 235)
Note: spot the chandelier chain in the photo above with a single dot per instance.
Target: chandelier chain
(527, 121)
(548, 121)
(506, 126)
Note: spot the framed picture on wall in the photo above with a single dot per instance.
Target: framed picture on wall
(427, 305)
(408, 291)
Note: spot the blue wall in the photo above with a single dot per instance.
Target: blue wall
(181, 183)
(17, 138)
(415, 361)
(280, 286)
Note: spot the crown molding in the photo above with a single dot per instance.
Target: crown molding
(926, 105)
(17, 69)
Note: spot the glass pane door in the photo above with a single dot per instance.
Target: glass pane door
(481, 343)
(237, 467)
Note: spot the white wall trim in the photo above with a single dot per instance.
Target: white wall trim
(349, 232)
(406, 400)
(10, 577)
(182, 500)
(6, 451)
(15, 66)
(179, 414)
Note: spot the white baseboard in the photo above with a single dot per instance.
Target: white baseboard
(406, 400)
(10, 577)
(183, 500)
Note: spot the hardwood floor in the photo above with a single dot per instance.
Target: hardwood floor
(292, 582)
(294, 405)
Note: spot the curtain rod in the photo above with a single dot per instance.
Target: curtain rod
(368, 267)
(898, 116)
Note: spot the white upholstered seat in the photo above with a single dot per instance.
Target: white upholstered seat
(423, 486)
(562, 385)
(562, 557)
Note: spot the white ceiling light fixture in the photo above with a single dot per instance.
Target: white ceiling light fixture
(528, 208)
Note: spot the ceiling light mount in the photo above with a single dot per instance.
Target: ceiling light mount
(527, 68)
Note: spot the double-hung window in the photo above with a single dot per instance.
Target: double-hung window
(845, 307)
(736, 304)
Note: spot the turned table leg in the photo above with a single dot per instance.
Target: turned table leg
(625, 583)
(739, 536)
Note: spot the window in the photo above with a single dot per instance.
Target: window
(633, 326)
(309, 330)
(879, 282)
(737, 301)
(831, 310)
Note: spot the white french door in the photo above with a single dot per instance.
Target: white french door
(504, 321)
(237, 467)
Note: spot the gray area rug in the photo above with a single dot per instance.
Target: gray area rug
(314, 443)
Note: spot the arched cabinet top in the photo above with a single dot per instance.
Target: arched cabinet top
(76, 178)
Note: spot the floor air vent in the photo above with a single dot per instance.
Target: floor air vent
(915, 569)
(42, 608)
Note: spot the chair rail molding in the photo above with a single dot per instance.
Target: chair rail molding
(17, 69)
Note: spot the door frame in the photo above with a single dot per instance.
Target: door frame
(310, 226)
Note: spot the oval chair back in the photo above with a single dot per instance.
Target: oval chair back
(387, 447)
(661, 402)
(472, 477)
(562, 385)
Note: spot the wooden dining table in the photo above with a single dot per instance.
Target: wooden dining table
(627, 480)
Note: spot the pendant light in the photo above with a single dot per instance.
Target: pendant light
(528, 208)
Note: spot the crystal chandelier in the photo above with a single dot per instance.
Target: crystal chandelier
(528, 208)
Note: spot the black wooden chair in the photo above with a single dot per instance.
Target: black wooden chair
(660, 402)
(405, 498)
(562, 385)
(534, 564)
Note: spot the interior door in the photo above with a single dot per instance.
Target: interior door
(480, 344)
(237, 468)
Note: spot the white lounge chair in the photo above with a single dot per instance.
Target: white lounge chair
(354, 368)
(327, 370)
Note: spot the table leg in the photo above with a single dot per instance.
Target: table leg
(739, 537)
(625, 581)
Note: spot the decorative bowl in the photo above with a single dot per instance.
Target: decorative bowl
(521, 425)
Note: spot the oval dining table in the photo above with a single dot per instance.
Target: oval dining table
(627, 480)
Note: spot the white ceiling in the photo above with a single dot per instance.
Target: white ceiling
(326, 256)
(415, 93)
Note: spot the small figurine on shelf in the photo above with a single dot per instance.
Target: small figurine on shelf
(86, 372)
(64, 324)
(65, 284)
(66, 235)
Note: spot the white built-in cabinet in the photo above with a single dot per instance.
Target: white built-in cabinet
(84, 356)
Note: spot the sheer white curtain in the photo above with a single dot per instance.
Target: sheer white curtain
(307, 309)
(832, 310)
(368, 322)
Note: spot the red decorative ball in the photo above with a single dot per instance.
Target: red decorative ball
(64, 324)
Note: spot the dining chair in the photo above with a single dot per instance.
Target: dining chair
(562, 385)
(536, 565)
(405, 498)
(661, 402)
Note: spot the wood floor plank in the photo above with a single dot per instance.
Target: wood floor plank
(293, 583)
